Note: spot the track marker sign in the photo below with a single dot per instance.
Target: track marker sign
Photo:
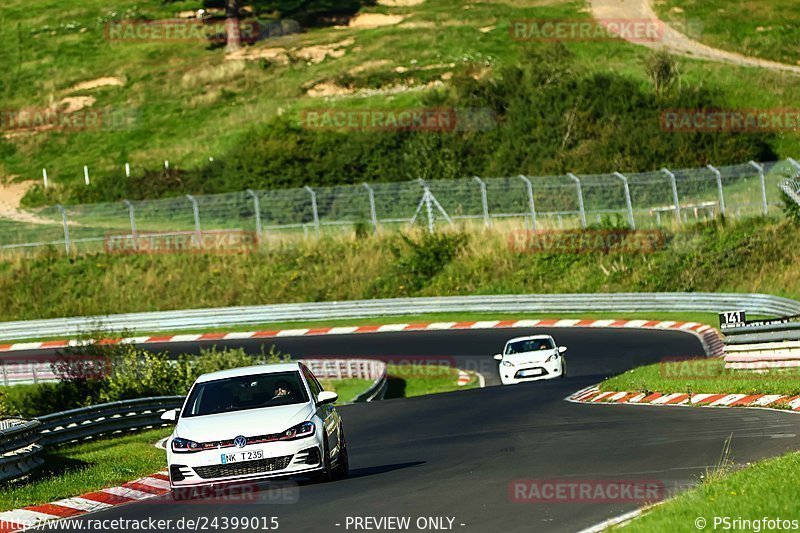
(730, 319)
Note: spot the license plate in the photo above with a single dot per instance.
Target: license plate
(531, 373)
(238, 457)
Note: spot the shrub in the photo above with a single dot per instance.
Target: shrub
(417, 260)
(136, 373)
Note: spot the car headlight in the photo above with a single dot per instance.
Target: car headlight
(185, 446)
(300, 431)
(552, 358)
(507, 363)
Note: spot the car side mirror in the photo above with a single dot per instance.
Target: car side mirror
(498, 357)
(326, 397)
(170, 416)
(562, 349)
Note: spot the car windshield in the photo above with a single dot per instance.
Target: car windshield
(245, 392)
(529, 345)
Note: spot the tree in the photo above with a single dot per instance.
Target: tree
(232, 33)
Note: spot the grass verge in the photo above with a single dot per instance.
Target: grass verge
(408, 381)
(463, 261)
(750, 494)
(769, 30)
(82, 468)
(347, 389)
(702, 376)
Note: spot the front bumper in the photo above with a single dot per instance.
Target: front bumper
(510, 375)
(279, 459)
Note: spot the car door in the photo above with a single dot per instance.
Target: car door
(326, 412)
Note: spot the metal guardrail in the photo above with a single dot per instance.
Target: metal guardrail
(353, 368)
(21, 444)
(761, 346)
(97, 420)
(525, 303)
(19, 449)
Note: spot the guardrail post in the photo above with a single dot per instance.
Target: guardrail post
(581, 208)
(196, 212)
(484, 201)
(66, 225)
(314, 207)
(132, 216)
(761, 176)
(675, 200)
(628, 202)
(257, 207)
(373, 214)
(531, 204)
(44, 177)
(720, 192)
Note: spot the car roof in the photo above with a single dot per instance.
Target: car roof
(530, 338)
(249, 371)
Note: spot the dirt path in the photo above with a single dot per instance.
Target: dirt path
(676, 41)
(10, 196)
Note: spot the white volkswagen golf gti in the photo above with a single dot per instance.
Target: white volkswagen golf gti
(254, 423)
(530, 359)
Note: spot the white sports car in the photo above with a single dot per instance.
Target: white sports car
(253, 423)
(530, 359)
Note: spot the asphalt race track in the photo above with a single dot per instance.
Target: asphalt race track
(455, 455)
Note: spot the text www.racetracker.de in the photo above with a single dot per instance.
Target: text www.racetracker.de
(202, 523)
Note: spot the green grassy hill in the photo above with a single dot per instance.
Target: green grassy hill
(186, 102)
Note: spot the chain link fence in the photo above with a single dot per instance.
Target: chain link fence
(665, 198)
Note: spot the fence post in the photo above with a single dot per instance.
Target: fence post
(675, 199)
(196, 212)
(720, 192)
(531, 204)
(628, 203)
(314, 207)
(372, 211)
(581, 208)
(761, 176)
(132, 216)
(66, 225)
(484, 202)
(257, 207)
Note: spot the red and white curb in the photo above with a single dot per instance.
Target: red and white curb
(711, 338)
(774, 401)
(35, 515)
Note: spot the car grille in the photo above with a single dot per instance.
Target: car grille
(245, 468)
